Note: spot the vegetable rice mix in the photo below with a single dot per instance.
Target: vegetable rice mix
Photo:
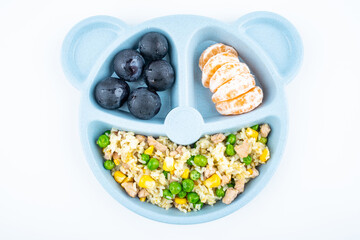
(163, 173)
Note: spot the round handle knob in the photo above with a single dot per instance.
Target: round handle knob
(184, 125)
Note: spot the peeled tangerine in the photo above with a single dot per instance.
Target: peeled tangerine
(214, 63)
(240, 84)
(212, 51)
(229, 79)
(242, 104)
(227, 72)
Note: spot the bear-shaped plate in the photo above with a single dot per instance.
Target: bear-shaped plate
(266, 42)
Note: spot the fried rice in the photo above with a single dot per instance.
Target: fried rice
(126, 148)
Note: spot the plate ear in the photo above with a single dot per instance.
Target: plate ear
(85, 43)
(277, 39)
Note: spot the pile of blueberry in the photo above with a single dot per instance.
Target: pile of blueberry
(130, 65)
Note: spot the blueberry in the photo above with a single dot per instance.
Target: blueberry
(153, 46)
(128, 64)
(143, 103)
(159, 75)
(111, 93)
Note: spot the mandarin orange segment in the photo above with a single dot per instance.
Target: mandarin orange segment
(212, 51)
(242, 104)
(227, 72)
(214, 64)
(235, 87)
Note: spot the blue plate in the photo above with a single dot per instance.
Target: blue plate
(267, 42)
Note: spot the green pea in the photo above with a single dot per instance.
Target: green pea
(195, 175)
(108, 164)
(153, 164)
(200, 160)
(107, 133)
(230, 151)
(193, 197)
(231, 139)
(182, 194)
(231, 184)
(199, 203)
(167, 194)
(263, 140)
(103, 141)
(165, 173)
(220, 192)
(190, 161)
(145, 158)
(188, 185)
(247, 160)
(175, 187)
(255, 127)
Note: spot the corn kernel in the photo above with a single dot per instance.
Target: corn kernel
(169, 164)
(180, 200)
(250, 171)
(172, 172)
(146, 182)
(143, 199)
(128, 156)
(213, 181)
(185, 174)
(116, 161)
(119, 176)
(251, 133)
(149, 150)
(128, 179)
(265, 155)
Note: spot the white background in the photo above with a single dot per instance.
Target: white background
(47, 191)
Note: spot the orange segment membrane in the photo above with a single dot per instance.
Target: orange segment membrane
(241, 104)
(214, 64)
(214, 50)
(227, 72)
(237, 86)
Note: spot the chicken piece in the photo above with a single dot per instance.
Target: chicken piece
(265, 130)
(243, 149)
(225, 180)
(141, 138)
(255, 173)
(217, 138)
(179, 149)
(130, 188)
(240, 185)
(126, 166)
(143, 193)
(209, 171)
(173, 153)
(115, 155)
(230, 195)
(156, 144)
(108, 155)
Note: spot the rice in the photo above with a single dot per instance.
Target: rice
(129, 149)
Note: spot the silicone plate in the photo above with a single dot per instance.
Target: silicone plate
(268, 43)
